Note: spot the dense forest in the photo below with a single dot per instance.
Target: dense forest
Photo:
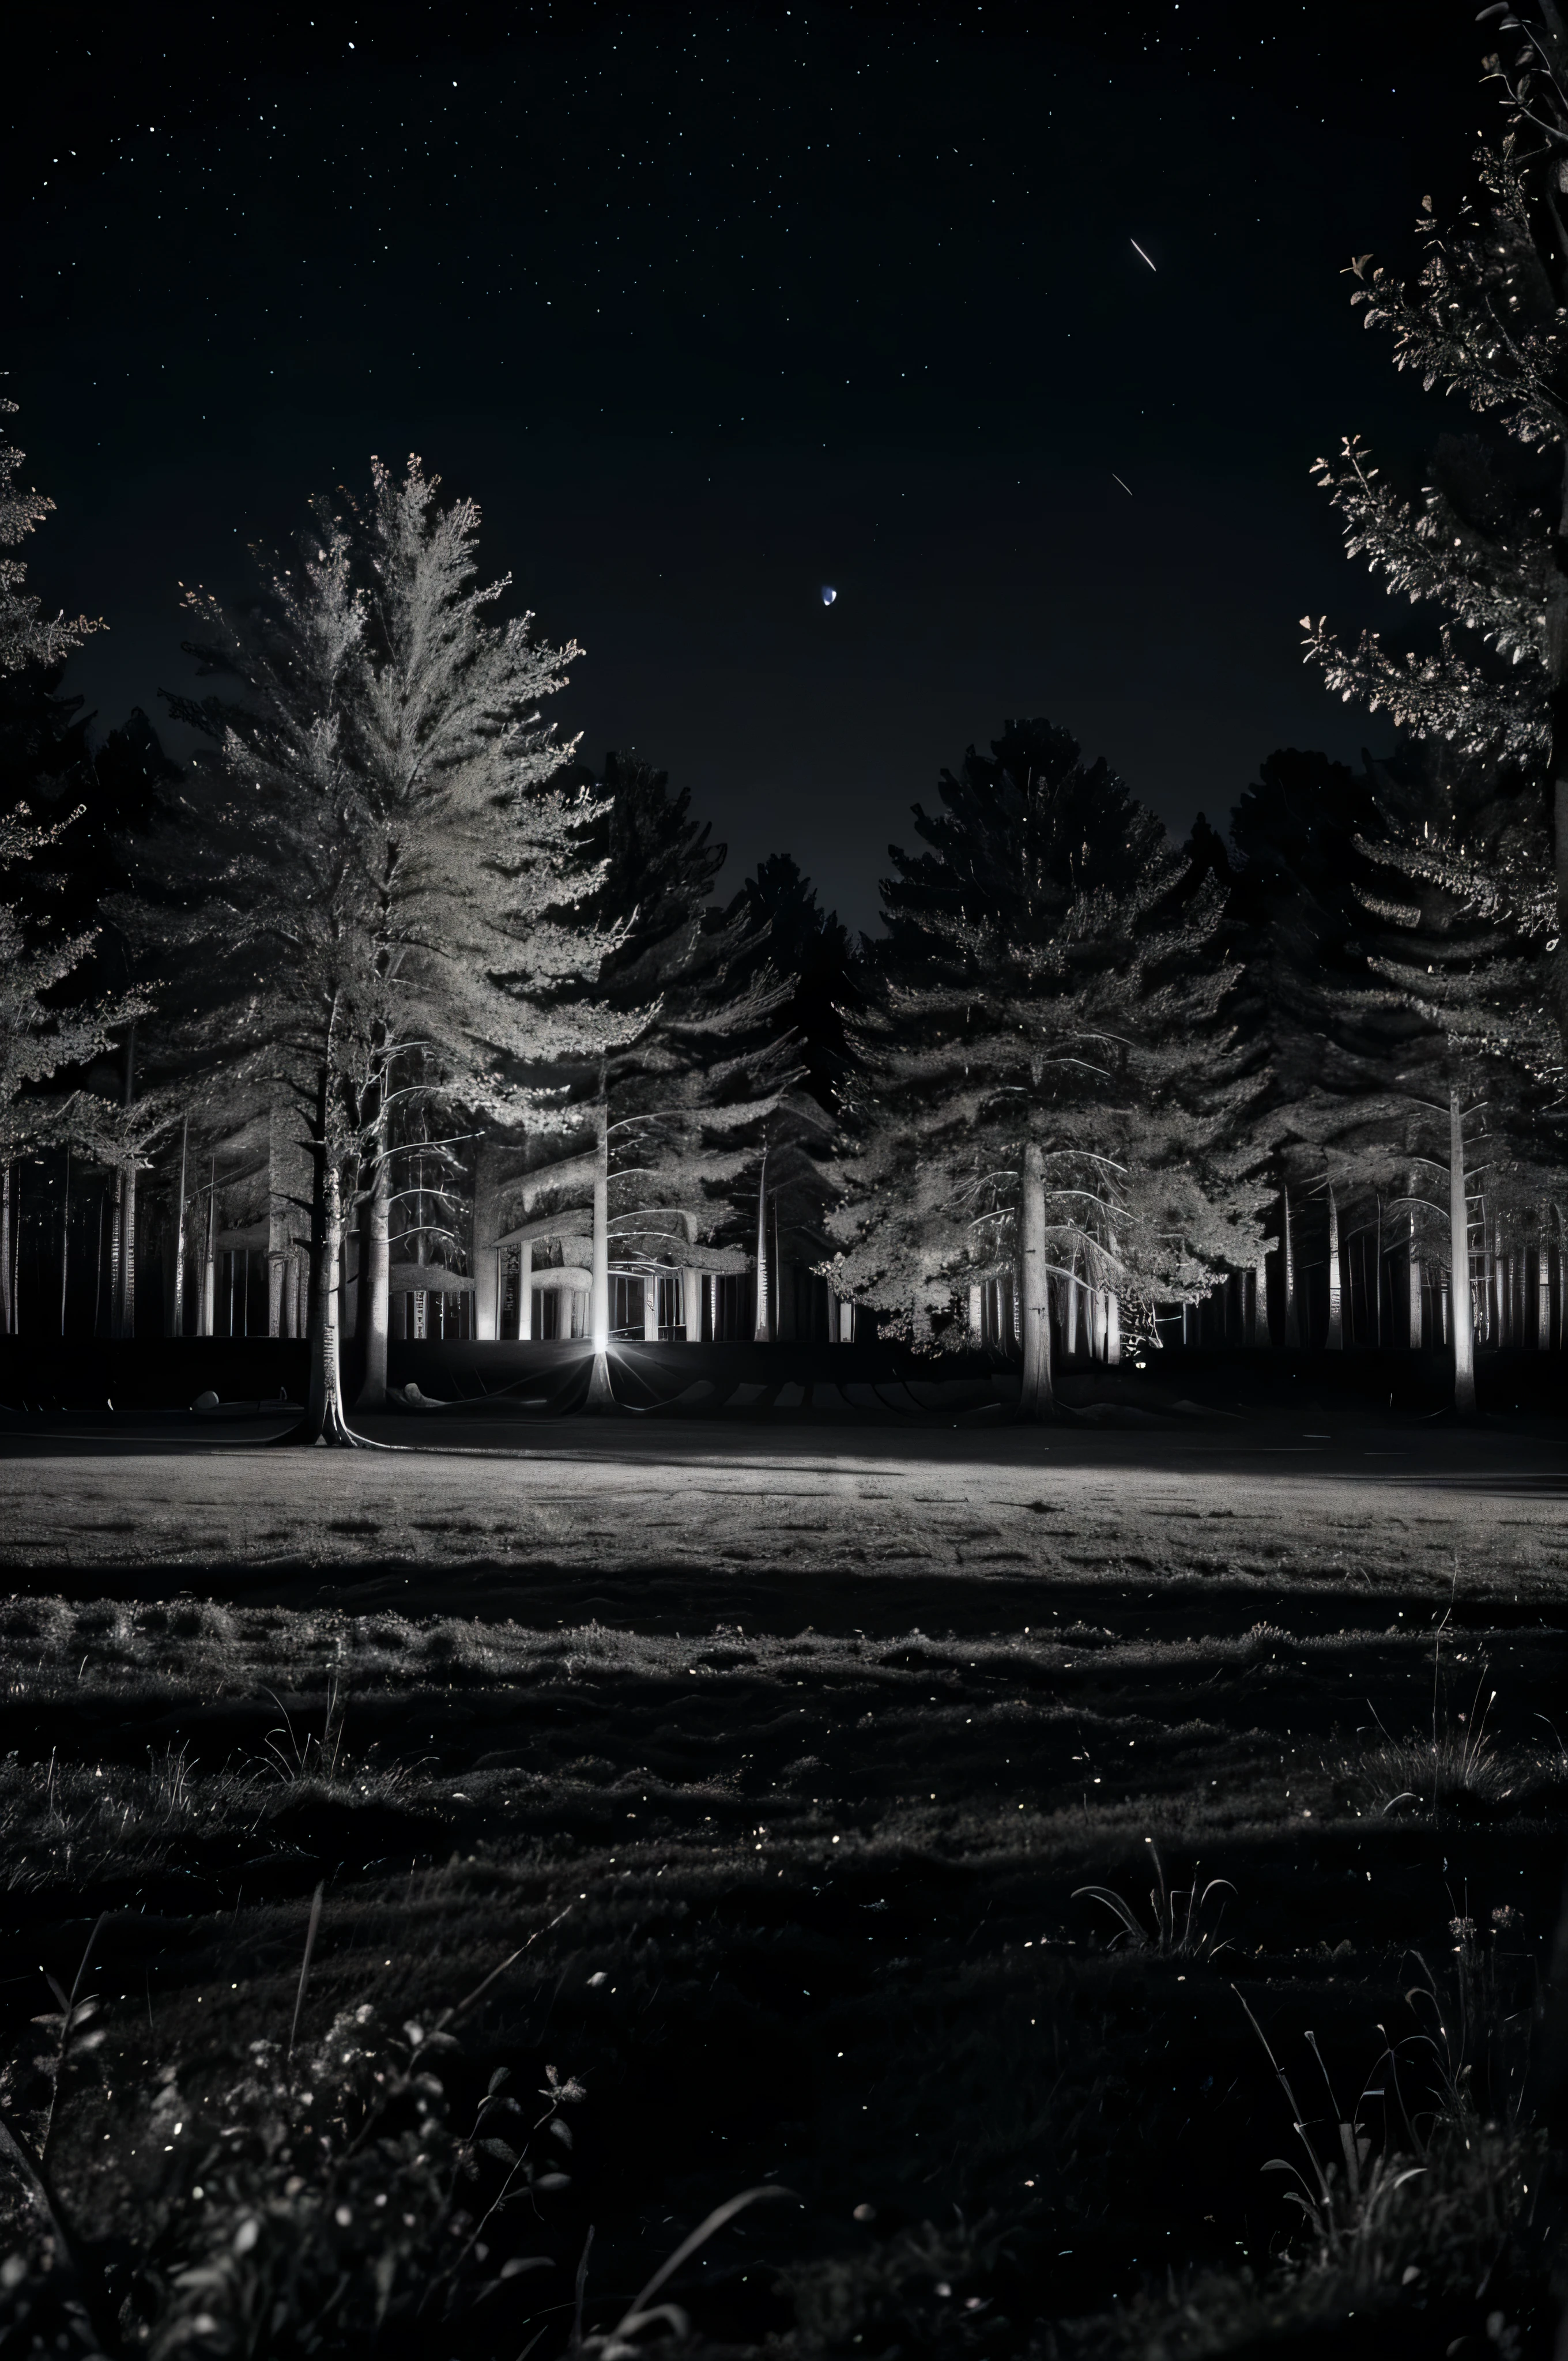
(385, 1013)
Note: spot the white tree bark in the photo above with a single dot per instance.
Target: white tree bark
(1336, 1303)
(525, 1290)
(210, 1255)
(1459, 1263)
(650, 1308)
(485, 1259)
(762, 1328)
(177, 1321)
(1259, 1336)
(1113, 1327)
(976, 1317)
(378, 1301)
(325, 1422)
(1292, 1325)
(600, 1396)
(1034, 1398)
(279, 1225)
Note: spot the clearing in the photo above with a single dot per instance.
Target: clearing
(783, 1756)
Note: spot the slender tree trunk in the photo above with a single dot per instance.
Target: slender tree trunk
(1071, 1308)
(1260, 1336)
(1413, 1337)
(691, 1305)
(1459, 1263)
(1542, 1282)
(762, 1329)
(324, 1420)
(178, 1320)
(525, 1290)
(210, 1253)
(600, 1395)
(376, 1288)
(650, 1308)
(1113, 1328)
(1035, 1398)
(1378, 1276)
(65, 1240)
(485, 1259)
(128, 1254)
(7, 1298)
(1287, 1266)
(116, 1220)
(1336, 1304)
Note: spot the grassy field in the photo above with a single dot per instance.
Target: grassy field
(766, 1779)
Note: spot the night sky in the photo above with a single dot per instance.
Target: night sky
(711, 307)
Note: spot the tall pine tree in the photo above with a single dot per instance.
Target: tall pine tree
(1047, 1091)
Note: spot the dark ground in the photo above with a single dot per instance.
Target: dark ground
(788, 1750)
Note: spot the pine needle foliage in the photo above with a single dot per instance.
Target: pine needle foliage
(361, 873)
(1484, 314)
(1046, 1077)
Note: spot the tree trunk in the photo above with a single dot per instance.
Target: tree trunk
(1542, 1283)
(375, 1289)
(525, 1290)
(1069, 1311)
(1113, 1328)
(485, 1259)
(976, 1317)
(1287, 1267)
(691, 1305)
(117, 1299)
(65, 1240)
(1260, 1336)
(1035, 1398)
(1459, 1263)
(1378, 1280)
(324, 1420)
(1335, 1339)
(177, 1317)
(650, 1308)
(600, 1396)
(1412, 1283)
(7, 1303)
(761, 1330)
(128, 1254)
(208, 1310)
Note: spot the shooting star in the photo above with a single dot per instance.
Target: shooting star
(1115, 479)
(1137, 249)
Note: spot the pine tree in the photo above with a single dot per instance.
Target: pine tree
(810, 952)
(28, 637)
(487, 952)
(672, 1119)
(1468, 909)
(1296, 906)
(1046, 1080)
(44, 1026)
(1487, 543)
(365, 853)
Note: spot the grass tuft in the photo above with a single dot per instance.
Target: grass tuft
(1176, 1929)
